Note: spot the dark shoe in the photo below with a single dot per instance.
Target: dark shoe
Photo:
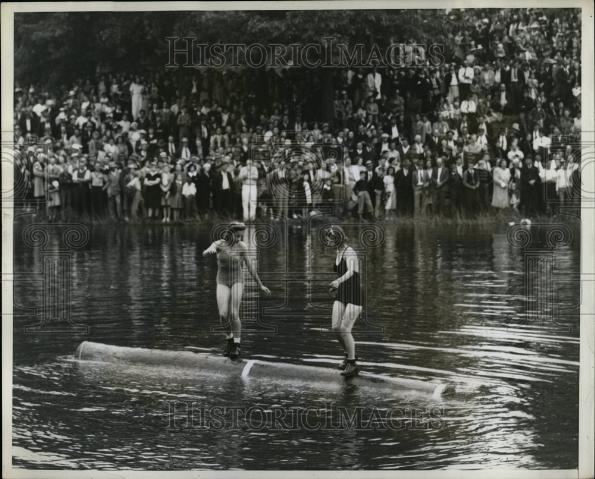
(235, 351)
(228, 347)
(351, 369)
(343, 365)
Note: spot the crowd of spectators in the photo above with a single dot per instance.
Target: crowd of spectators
(496, 126)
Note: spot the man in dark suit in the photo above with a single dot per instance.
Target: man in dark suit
(204, 187)
(440, 185)
(404, 185)
(454, 192)
(530, 188)
(223, 192)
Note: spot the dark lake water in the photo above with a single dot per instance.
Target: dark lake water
(493, 313)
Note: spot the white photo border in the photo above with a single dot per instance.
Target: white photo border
(587, 311)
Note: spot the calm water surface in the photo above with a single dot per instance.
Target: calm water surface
(457, 305)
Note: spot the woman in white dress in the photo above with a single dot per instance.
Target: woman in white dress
(391, 193)
(501, 176)
(136, 95)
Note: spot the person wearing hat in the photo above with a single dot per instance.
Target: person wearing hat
(231, 253)
(347, 305)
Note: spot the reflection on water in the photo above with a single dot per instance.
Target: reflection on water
(458, 305)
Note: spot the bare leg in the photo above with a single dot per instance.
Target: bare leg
(223, 296)
(236, 299)
(338, 310)
(351, 313)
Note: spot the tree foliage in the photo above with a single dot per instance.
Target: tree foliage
(59, 47)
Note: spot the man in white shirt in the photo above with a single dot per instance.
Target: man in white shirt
(482, 139)
(249, 177)
(549, 183)
(541, 143)
(465, 77)
(38, 108)
(374, 81)
(350, 176)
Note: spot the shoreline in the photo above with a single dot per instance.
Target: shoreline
(569, 216)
